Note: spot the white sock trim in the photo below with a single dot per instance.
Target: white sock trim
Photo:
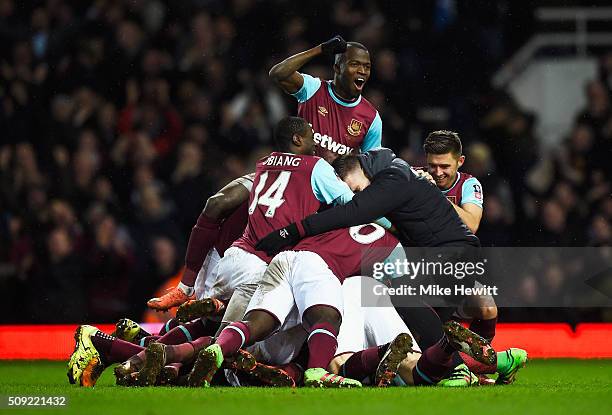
(185, 288)
(239, 332)
(329, 333)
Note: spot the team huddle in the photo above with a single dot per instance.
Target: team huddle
(277, 262)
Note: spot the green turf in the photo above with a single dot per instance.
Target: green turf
(544, 386)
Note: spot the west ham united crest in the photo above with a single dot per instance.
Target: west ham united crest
(354, 128)
(322, 111)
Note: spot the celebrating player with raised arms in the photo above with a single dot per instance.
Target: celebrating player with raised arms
(344, 122)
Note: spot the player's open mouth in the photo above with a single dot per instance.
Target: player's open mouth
(359, 83)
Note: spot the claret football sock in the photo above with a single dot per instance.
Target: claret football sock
(476, 367)
(295, 372)
(435, 363)
(363, 363)
(113, 350)
(322, 345)
(183, 333)
(170, 324)
(233, 337)
(185, 352)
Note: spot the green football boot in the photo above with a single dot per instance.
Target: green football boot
(317, 377)
(130, 331)
(508, 364)
(85, 365)
(206, 365)
(459, 377)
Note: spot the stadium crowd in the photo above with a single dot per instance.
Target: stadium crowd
(119, 118)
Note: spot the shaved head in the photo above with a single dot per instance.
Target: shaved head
(341, 57)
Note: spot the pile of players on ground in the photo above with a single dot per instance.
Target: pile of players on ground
(278, 261)
(295, 318)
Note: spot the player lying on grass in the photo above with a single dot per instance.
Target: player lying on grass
(95, 350)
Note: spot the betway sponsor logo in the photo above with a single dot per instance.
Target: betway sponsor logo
(328, 143)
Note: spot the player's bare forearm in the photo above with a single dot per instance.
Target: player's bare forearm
(286, 73)
(470, 215)
(225, 201)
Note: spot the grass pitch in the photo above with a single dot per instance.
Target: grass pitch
(543, 387)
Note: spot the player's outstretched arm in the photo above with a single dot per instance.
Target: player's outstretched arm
(286, 74)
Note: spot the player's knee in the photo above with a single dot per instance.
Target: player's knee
(322, 314)
(488, 312)
(261, 325)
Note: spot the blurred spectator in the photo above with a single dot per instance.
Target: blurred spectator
(190, 184)
(110, 263)
(57, 285)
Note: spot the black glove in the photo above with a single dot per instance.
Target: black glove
(276, 240)
(333, 46)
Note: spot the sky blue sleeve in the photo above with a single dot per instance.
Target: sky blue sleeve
(471, 192)
(373, 137)
(311, 85)
(327, 187)
(384, 222)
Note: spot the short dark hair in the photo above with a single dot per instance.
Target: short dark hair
(340, 56)
(343, 165)
(285, 129)
(442, 142)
